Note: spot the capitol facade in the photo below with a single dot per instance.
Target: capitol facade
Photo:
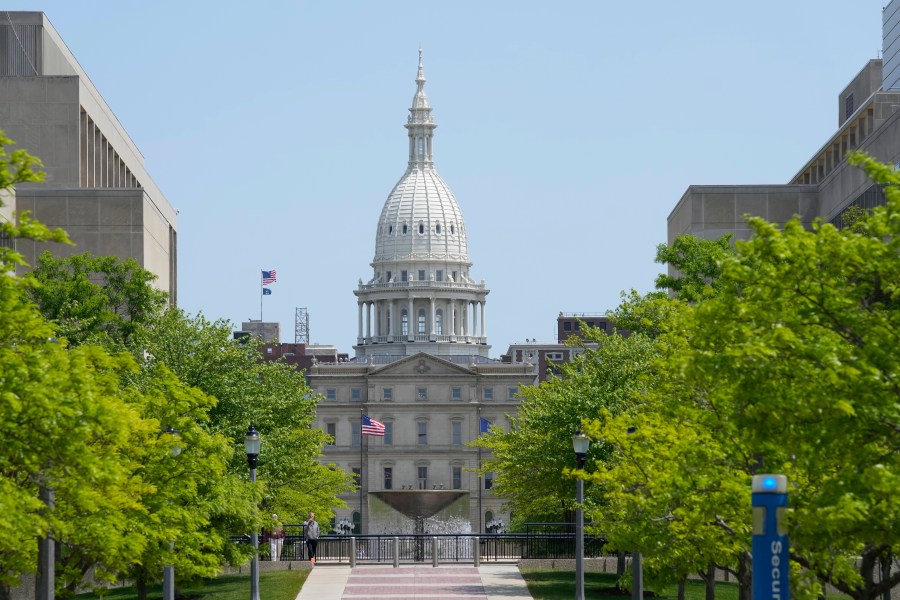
(421, 365)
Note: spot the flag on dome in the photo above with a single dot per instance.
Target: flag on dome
(268, 277)
(372, 427)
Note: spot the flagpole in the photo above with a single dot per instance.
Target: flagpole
(360, 469)
(261, 284)
(480, 486)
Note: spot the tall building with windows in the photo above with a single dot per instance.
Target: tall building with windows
(826, 186)
(421, 365)
(96, 186)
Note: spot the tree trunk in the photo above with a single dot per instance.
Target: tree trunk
(140, 585)
(710, 578)
(745, 576)
(4, 591)
(681, 588)
(620, 569)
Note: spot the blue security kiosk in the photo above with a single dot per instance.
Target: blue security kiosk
(771, 565)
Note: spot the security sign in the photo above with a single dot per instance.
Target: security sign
(771, 564)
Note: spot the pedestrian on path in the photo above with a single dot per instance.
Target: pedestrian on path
(312, 537)
(276, 539)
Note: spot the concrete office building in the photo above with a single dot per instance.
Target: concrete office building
(421, 364)
(96, 187)
(868, 120)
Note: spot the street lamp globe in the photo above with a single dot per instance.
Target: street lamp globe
(580, 443)
(251, 445)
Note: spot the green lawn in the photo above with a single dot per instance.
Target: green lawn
(273, 585)
(550, 585)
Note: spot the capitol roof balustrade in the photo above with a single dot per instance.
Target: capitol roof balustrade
(447, 285)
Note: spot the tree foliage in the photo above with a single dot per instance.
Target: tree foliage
(530, 459)
(787, 364)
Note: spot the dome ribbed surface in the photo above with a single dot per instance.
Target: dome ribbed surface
(421, 201)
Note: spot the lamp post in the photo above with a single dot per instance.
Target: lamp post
(169, 570)
(251, 445)
(580, 443)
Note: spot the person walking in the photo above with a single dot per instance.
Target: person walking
(276, 539)
(312, 537)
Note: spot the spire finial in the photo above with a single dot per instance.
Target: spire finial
(420, 76)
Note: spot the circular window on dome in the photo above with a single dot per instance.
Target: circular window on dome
(437, 227)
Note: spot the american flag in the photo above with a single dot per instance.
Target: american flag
(372, 427)
(268, 277)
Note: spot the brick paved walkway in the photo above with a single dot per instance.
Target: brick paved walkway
(419, 582)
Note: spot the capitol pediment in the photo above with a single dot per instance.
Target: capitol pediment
(422, 365)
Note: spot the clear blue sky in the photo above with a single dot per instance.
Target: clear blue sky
(567, 131)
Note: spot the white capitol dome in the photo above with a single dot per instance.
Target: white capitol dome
(420, 297)
(421, 219)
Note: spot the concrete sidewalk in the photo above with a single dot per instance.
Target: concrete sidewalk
(488, 582)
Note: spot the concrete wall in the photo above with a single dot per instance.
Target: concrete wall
(711, 211)
(890, 44)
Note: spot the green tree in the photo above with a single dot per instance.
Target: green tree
(96, 299)
(789, 367)
(271, 395)
(530, 460)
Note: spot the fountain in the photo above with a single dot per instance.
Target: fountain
(404, 512)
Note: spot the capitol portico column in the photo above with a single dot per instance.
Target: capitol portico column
(391, 320)
(474, 319)
(409, 321)
(359, 329)
(483, 325)
(431, 332)
(376, 308)
(369, 320)
(450, 324)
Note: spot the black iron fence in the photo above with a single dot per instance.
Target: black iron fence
(422, 548)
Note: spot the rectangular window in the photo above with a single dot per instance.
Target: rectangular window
(422, 393)
(355, 394)
(488, 393)
(330, 394)
(456, 394)
(331, 429)
(488, 481)
(389, 478)
(423, 433)
(388, 394)
(421, 275)
(354, 438)
(454, 275)
(457, 478)
(456, 433)
(404, 276)
(438, 275)
(388, 276)
(567, 326)
(422, 472)
(388, 433)
(357, 474)
(511, 393)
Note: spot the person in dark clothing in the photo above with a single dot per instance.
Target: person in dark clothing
(312, 537)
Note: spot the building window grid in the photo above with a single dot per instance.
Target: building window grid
(388, 478)
(388, 439)
(388, 393)
(456, 433)
(456, 393)
(422, 475)
(356, 394)
(422, 437)
(331, 429)
(457, 477)
(355, 434)
(422, 393)
(488, 393)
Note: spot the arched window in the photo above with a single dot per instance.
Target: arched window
(390, 229)
(439, 322)
(452, 230)
(421, 227)
(421, 321)
(404, 229)
(437, 227)
(404, 323)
